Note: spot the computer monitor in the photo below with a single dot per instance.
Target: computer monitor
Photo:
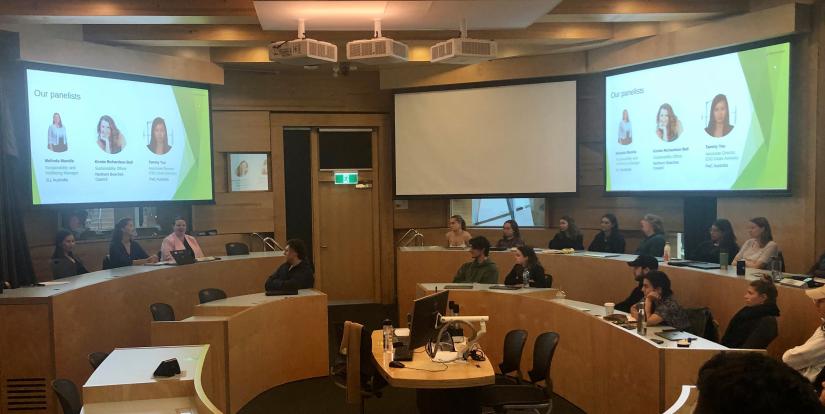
(425, 318)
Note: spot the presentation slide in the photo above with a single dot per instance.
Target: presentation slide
(105, 140)
(249, 172)
(712, 124)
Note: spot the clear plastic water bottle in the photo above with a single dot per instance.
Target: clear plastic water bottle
(666, 252)
(776, 269)
(641, 319)
(388, 336)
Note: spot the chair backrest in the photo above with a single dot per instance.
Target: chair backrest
(513, 348)
(162, 312)
(236, 249)
(107, 262)
(210, 294)
(351, 347)
(549, 278)
(701, 324)
(543, 351)
(97, 358)
(67, 395)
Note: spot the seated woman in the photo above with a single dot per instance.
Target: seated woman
(809, 358)
(653, 228)
(123, 251)
(568, 236)
(758, 251)
(458, 235)
(754, 326)
(64, 262)
(818, 269)
(527, 270)
(722, 239)
(512, 236)
(660, 307)
(609, 239)
(179, 240)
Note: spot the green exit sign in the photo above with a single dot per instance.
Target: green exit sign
(347, 177)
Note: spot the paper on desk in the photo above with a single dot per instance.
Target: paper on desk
(53, 283)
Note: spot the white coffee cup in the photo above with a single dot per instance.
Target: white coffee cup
(608, 308)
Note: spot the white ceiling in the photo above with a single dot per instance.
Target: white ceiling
(402, 15)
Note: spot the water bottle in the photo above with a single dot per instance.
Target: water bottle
(723, 260)
(388, 336)
(641, 319)
(666, 252)
(776, 269)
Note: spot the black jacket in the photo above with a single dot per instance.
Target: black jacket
(753, 327)
(708, 252)
(302, 276)
(613, 244)
(652, 246)
(516, 276)
(118, 257)
(561, 241)
(63, 267)
(636, 295)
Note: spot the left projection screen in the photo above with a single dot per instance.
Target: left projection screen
(99, 139)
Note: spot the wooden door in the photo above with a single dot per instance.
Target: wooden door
(346, 241)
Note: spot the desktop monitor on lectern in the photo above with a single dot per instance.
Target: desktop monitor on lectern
(425, 318)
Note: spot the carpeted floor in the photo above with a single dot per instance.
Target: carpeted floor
(321, 395)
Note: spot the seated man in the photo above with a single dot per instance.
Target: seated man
(296, 272)
(481, 269)
(749, 382)
(641, 266)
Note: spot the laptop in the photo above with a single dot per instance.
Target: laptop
(675, 335)
(599, 254)
(504, 287)
(694, 264)
(182, 257)
(468, 287)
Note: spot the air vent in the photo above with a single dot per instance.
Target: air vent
(26, 395)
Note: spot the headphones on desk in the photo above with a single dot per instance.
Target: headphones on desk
(477, 355)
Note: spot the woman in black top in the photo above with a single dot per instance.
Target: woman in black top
(123, 251)
(754, 326)
(609, 240)
(568, 236)
(64, 262)
(722, 239)
(527, 267)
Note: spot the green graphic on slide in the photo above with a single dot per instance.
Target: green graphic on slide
(35, 187)
(766, 72)
(196, 182)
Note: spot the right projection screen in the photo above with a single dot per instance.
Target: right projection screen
(501, 140)
(713, 124)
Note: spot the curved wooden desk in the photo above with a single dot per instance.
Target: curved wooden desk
(598, 366)
(599, 280)
(50, 330)
(124, 384)
(428, 374)
(257, 342)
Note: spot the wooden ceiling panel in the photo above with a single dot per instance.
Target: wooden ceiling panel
(642, 10)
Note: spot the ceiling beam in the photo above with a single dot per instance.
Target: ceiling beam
(643, 10)
(128, 12)
(249, 35)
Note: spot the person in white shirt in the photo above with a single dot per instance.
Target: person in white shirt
(809, 358)
(758, 251)
(57, 135)
(625, 129)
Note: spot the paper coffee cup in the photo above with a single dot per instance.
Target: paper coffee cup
(608, 308)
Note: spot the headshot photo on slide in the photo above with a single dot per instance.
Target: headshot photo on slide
(668, 126)
(57, 135)
(109, 138)
(719, 117)
(242, 169)
(625, 129)
(158, 137)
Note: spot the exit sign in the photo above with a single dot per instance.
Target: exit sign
(346, 177)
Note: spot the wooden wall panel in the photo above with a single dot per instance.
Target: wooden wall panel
(240, 131)
(240, 212)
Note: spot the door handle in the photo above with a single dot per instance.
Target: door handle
(323, 246)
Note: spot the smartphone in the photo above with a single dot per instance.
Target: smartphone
(656, 341)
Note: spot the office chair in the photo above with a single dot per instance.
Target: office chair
(162, 312)
(67, 395)
(549, 278)
(236, 249)
(702, 324)
(530, 396)
(97, 358)
(513, 348)
(211, 294)
(107, 262)
(353, 371)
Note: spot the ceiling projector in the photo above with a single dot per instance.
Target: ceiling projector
(378, 50)
(303, 52)
(463, 51)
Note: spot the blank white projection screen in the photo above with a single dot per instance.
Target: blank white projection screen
(517, 139)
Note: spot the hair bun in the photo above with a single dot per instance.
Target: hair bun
(766, 278)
